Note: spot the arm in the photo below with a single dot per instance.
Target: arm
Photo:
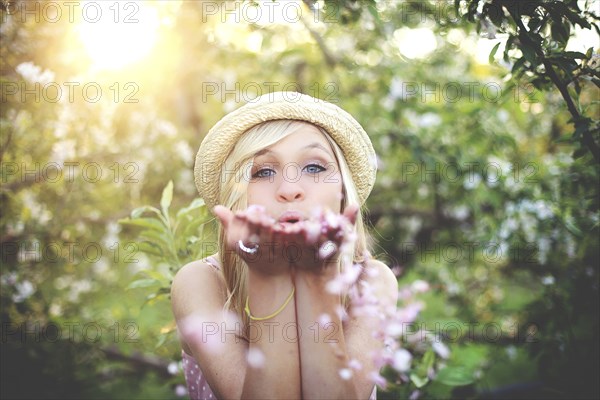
(198, 294)
(279, 376)
(197, 298)
(324, 351)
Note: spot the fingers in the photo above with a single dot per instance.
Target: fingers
(351, 213)
(321, 236)
(224, 214)
(252, 226)
(234, 224)
(259, 224)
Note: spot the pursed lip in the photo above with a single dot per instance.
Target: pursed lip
(291, 217)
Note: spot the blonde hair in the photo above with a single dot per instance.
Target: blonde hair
(233, 194)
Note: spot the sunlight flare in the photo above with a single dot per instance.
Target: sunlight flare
(118, 34)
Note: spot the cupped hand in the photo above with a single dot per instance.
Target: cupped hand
(316, 243)
(252, 230)
(266, 245)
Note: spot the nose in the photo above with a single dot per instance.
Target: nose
(290, 190)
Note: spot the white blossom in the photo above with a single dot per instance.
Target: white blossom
(34, 73)
(401, 360)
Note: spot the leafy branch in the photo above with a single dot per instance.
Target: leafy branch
(541, 29)
(170, 241)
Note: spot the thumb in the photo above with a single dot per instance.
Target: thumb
(351, 212)
(224, 215)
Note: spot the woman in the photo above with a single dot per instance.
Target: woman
(289, 305)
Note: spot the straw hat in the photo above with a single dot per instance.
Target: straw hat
(340, 125)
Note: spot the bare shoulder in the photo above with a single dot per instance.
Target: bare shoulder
(196, 273)
(382, 279)
(198, 267)
(197, 286)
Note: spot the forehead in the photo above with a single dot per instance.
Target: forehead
(304, 133)
(295, 137)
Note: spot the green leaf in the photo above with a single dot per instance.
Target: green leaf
(142, 283)
(559, 33)
(494, 12)
(508, 46)
(519, 64)
(152, 297)
(166, 198)
(589, 53)
(195, 228)
(159, 276)
(428, 360)
(151, 248)
(574, 54)
(582, 125)
(529, 53)
(194, 205)
(155, 237)
(559, 9)
(161, 340)
(374, 13)
(149, 223)
(472, 10)
(192, 239)
(418, 381)
(140, 210)
(493, 53)
(570, 225)
(455, 376)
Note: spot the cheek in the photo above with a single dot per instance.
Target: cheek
(332, 193)
(260, 191)
(253, 193)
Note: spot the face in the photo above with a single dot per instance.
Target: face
(296, 176)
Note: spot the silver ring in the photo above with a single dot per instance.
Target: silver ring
(249, 250)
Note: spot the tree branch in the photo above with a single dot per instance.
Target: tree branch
(139, 360)
(587, 138)
(330, 59)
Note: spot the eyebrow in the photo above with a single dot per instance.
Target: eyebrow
(313, 145)
(316, 145)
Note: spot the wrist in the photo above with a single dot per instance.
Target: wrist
(317, 285)
(319, 274)
(259, 280)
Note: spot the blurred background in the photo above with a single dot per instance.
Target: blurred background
(484, 116)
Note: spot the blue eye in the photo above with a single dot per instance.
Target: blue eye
(314, 168)
(263, 173)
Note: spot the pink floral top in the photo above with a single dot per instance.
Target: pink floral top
(196, 382)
